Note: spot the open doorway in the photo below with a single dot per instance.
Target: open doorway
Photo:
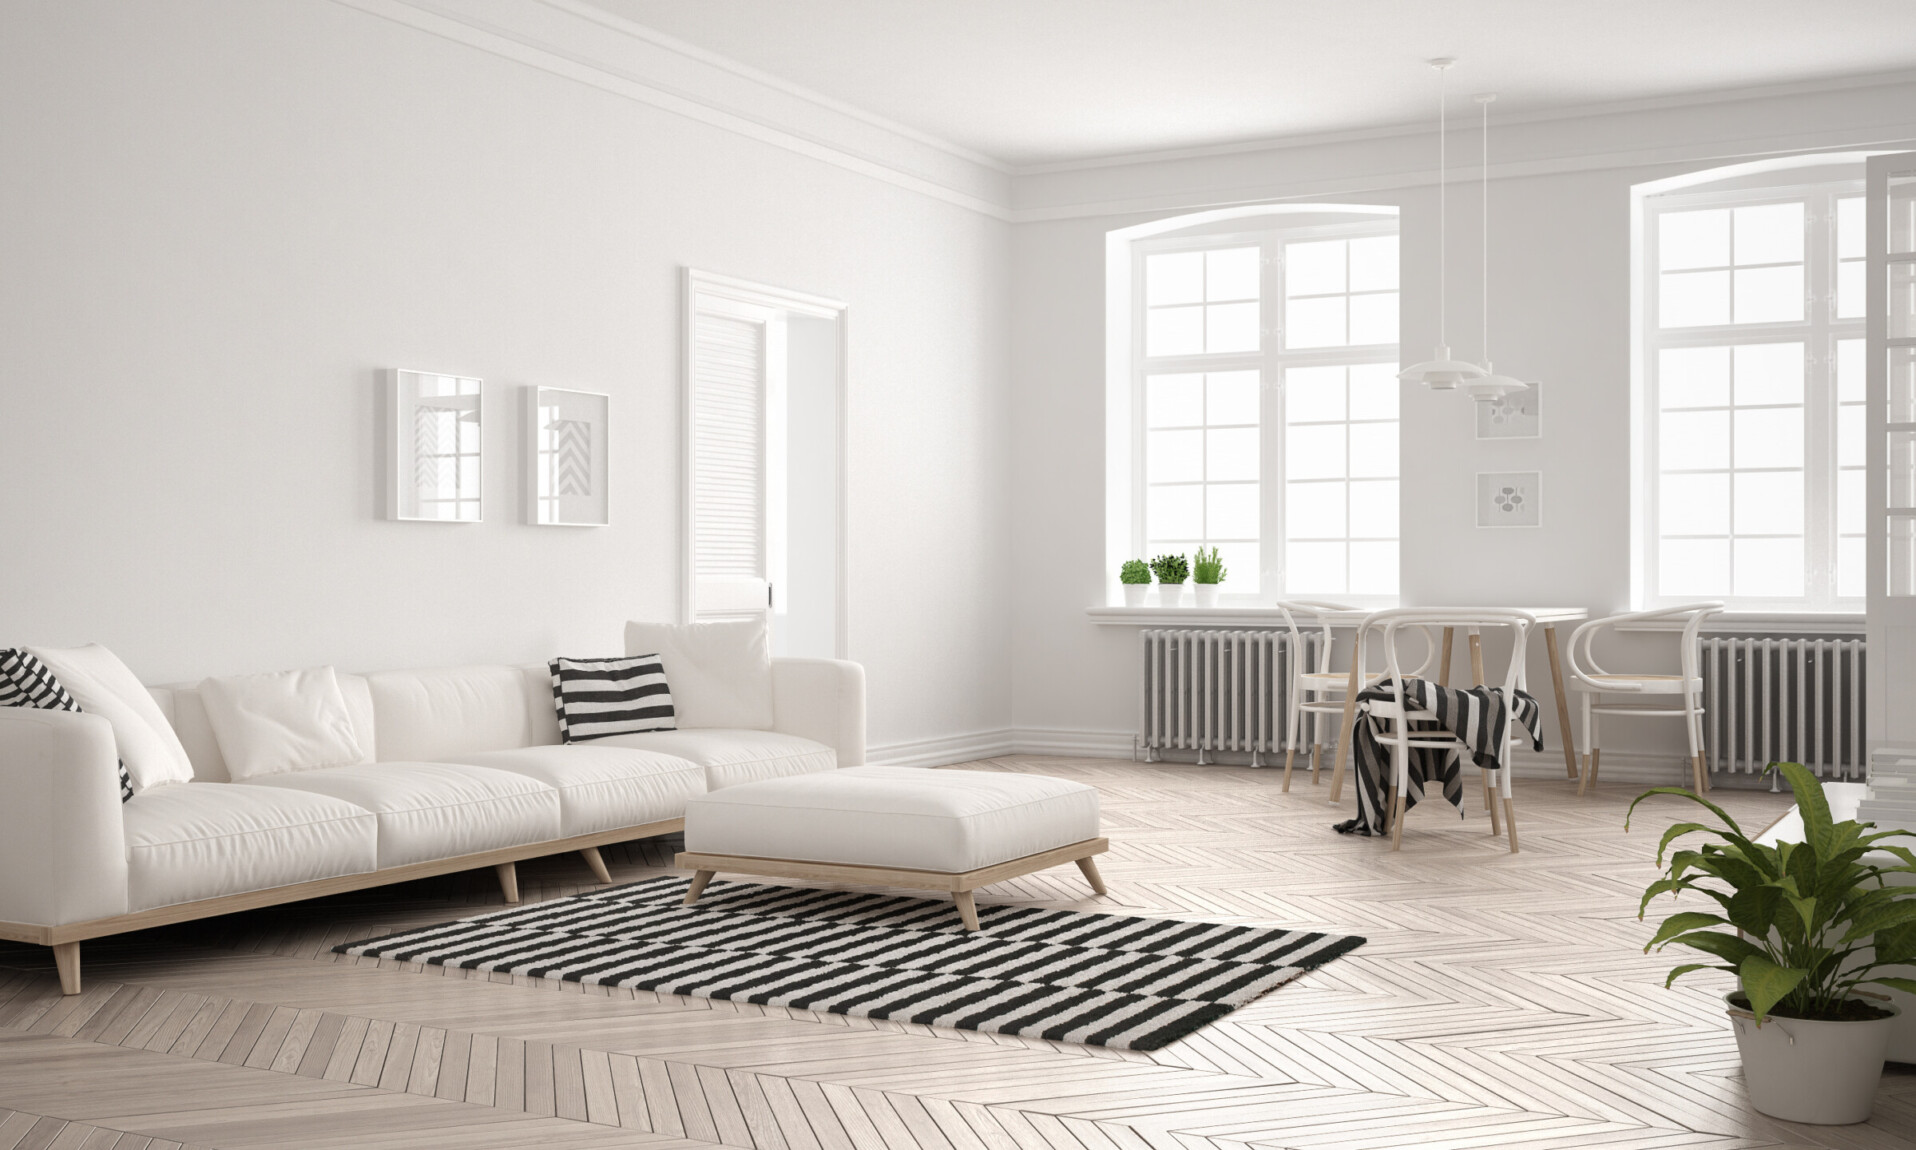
(764, 481)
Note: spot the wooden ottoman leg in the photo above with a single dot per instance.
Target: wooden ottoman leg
(697, 888)
(1091, 874)
(596, 861)
(66, 957)
(508, 880)
(967, 909)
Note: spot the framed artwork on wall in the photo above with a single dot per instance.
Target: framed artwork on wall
(433, 440)
(1518, 415)
(566, 435)
(1509, 499)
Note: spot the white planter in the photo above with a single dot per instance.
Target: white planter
(1819, 1072)
(1134, 593)
(1206, 594)
(1170, 594)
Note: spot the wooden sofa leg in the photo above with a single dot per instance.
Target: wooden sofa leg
(699, 879)
(1091, 875)
(596, 861)
(66, 956)
(967, 909)
(509, 880)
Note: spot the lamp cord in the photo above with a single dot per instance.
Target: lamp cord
(1485, 105)
(1443, 214)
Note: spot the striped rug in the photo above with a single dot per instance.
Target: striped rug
(1096, 979)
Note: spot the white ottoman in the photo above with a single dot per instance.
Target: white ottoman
(895, 826)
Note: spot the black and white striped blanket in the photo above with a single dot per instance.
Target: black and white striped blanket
(1098, 979)
(1480, 716)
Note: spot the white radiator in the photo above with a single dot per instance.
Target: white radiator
(1210, 691)
(1787, 700)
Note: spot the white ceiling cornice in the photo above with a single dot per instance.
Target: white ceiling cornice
(590, 45)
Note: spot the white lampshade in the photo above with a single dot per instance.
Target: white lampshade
(1489, 386)
(1440, 372)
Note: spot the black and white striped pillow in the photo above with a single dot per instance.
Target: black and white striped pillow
(600, 697)
(26, 682)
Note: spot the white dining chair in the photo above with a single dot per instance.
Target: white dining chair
(1321, 691)
(1684, 689)
(1403, 726)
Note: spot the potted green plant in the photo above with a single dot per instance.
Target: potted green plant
(1171, 571)
(1135, 577)
(1207, 571)
(1804, 926)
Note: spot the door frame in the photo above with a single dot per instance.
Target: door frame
(701, 285)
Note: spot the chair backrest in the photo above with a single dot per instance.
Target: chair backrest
(1318, 612)
(1388, 624)
(1582, 659)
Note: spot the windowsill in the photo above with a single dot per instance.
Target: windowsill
(1223, 615)
(1767, 623)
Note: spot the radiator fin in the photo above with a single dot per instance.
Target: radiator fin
(1215, 690)
(1784, 699)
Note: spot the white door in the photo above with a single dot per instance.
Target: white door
(764, 465)
(1890, 236)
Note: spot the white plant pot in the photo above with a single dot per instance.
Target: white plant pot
(1206, 594)
(1818, 1072)
(1134, 593)
(1170, 594)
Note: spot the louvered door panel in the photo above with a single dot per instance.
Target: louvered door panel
(728, 466)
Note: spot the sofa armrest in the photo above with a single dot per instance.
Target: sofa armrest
(62, 835)
(823, 700)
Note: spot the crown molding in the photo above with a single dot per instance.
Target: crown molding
(580, 42)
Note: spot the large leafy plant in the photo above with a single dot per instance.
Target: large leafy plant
(1793, 918)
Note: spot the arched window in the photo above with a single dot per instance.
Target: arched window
(1253, 396)
(1749, 386)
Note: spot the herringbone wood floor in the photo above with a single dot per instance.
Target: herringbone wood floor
(1502, 1002)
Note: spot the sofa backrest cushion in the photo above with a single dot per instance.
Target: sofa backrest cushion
(180, 703)
(424, 716)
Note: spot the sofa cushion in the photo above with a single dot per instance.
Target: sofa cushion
(600, 697)
(602, 788)
(201, 840)
(721, 673)
(734, 756)
(280, 721)
(908, 817)
(428, 716)
(186, 711)
(430, 811)
(103, 685)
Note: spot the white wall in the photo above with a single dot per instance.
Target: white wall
(221, 218)
(1561, 296)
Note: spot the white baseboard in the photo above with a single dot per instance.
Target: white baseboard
(1635, 768)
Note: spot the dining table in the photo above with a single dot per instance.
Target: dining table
(1547, 619)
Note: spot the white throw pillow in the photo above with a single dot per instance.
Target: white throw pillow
(280, 721)
(720, 673)
(103, 685)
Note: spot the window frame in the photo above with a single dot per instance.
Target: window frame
(1270, 361)
(1819, 331)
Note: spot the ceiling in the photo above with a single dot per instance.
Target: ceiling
(1035, 81)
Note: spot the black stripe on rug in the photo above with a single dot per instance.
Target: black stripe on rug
(1096, 979)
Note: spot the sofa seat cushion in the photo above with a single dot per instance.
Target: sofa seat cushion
(603, 788)
(429, 811)
(201, 840)
(903, 817)
(732, 755)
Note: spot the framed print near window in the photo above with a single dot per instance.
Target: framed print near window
(565, 447)
(433, 447)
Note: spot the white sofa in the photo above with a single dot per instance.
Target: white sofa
(464, 770)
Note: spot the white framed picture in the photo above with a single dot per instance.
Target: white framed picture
(566, 436)
(1518, 415)
(434, 425)
(1509, 499)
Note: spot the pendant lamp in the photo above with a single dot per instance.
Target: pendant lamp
(1490, 387)
(1440, 372)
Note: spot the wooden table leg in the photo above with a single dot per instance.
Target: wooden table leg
(1563, 705)
(1350, 711)
(1443, 666)
(1476, 658)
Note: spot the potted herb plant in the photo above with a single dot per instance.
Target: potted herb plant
(1136, 580)
(1171, 571)
(1804, 927)
(1207, 571)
